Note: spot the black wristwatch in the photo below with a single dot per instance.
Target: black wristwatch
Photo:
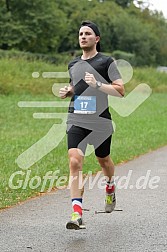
(98, 84)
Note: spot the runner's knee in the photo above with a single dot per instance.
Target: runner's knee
(75, 163)
(104, 162)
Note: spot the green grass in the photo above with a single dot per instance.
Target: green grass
(144, 130)
(156, 80)
(16, 77)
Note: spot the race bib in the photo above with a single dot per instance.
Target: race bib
(84, 104)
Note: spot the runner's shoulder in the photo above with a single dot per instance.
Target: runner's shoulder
(73, 61)
(106, 58)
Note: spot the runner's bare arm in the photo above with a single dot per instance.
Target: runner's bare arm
(115, 89)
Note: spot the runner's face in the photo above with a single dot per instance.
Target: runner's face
(87, 38)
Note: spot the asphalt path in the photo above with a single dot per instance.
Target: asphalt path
(138, 224)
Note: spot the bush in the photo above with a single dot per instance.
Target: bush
(130, 57)
(57, 59)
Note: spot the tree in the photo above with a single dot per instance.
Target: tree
(52, 26)
(135, 37)
(34, 26)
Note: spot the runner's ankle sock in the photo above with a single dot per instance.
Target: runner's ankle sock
(110, 187)
(77, 205)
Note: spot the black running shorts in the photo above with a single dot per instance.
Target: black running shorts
(78, 137)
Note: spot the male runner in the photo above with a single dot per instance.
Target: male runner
(93, 76)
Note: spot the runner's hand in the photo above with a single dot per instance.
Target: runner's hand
(63, 92)
(90, 79)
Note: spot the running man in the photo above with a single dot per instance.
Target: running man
(93, 76)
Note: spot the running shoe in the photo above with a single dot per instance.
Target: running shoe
(76, 222)
(110, 202)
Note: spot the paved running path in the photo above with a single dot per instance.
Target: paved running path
(39, 224)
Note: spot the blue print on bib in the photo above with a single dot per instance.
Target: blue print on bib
(84, 104)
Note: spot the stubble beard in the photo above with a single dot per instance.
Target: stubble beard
(87, 48)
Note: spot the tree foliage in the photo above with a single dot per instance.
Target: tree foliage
(124, 3)
(52, 26)
(34, 26)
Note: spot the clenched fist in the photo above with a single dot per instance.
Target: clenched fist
(90, 79)
(66, 91)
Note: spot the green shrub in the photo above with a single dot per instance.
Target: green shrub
(57, 59)
(130, 57)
